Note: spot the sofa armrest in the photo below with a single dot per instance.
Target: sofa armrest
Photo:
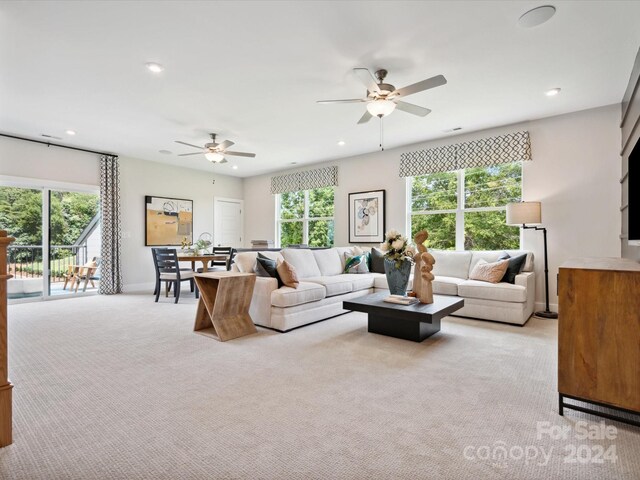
(260, 309)
(526, 280)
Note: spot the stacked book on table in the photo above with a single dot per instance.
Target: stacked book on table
(261, 244)
(401, 300)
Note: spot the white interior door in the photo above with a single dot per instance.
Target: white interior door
(228, 222)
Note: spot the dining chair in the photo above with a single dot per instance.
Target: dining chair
(168, 270)
(221, 264)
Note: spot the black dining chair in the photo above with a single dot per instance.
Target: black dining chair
(221, 264)
(165, 261)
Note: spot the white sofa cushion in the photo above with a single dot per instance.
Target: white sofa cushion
(328, 261)
(446, 285)
(245, 262)
(492, 256)
(305, 293)
(334, 284)
(360, 281)
(503, 292)
(303, 261)
(451, 263)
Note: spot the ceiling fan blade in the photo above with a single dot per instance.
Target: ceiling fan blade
(189, 145)
(223, 145)
(413, 109)
(187, 154)
(365, 118)
(350, 100)
(240, 154)
(367, 78)
(432, 82)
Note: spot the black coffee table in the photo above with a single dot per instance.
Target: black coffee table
(409, 322)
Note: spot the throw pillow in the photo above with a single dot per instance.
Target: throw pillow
(514, 268)
(489, 272)
(260, 271)
(355, 264)
(287, 274)
(377, 261)
(270, 267)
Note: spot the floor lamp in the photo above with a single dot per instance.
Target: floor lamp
(524, 213)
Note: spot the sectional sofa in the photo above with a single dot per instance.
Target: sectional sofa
(323, 287)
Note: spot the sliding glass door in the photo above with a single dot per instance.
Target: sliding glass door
(57, 247)
(21, 215)
(74, 242)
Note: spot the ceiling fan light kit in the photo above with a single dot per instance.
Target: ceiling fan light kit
(381, 107)
(214, 157)
(383, 98)
(215, 152)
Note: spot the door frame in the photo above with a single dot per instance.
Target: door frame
(217, 201)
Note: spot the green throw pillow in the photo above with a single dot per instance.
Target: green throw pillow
(355, 263)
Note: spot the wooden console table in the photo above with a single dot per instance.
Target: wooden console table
(5, 385)
(599, 335)
(223, 309)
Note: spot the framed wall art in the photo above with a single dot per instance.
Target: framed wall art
(366, 217)
(167, 221)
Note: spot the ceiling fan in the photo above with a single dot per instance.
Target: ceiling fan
(215, 152)
(383, 98)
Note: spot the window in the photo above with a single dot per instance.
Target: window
(466, 209)
(306, 217)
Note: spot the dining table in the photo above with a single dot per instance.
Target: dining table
(205, 259)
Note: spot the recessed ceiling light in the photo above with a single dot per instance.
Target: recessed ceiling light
(154, 67)
(537, 16)
(165, 152)
(341, 143)
(235, 167)
(70, 132)
(553, 92)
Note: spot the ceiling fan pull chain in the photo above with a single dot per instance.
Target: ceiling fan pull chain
(381, 136)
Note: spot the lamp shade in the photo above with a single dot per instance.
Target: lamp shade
(523, 213)
(214, 157)
(381, 108)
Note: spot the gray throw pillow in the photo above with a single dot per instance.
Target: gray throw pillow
(515, 266)
(377, 261)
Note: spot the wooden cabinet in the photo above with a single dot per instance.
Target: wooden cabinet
(599, 332)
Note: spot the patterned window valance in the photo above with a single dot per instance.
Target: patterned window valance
(318, 178)
(512, 147)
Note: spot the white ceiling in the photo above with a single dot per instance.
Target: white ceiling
(252, 71)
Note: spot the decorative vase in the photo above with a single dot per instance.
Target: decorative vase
(397, 278)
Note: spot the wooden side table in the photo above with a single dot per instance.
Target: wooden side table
(223, 309)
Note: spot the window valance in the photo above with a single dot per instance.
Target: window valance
(306, 180)
(512, 147)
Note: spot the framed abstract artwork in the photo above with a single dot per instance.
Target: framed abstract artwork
(168, 221)
(366, 217)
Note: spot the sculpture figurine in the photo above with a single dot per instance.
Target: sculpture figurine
(425, 294)
(422, 276)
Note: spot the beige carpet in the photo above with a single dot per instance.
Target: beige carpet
(120, 387)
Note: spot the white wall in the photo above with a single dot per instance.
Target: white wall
(138, 178)
(19, 158)
(574, 173)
